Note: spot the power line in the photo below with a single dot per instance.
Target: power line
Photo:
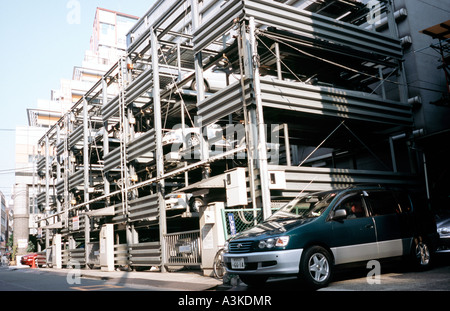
(14, 170)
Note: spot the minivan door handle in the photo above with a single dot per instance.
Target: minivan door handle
(369, 226)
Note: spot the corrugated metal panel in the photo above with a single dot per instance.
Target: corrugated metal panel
(76, 179)
(77, 257)
(41, 197)
(302, 22)
(60, 187)
(139, 209)
(41, 163)
(159, 16)
(111, 109)
(144, 208)
(60, 149)
(120, 254)
(136, 89)
(119, 215)
(112, 160)
(298, 178)
(216, 25)
(141, 145)
(145, 254)
(223, 103)
(333, 102)
(321, 27)
(139, 85)
(75, 137)
(307, 99)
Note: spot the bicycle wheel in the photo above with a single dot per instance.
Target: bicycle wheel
(218, 267)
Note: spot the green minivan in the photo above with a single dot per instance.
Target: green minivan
(313, 233)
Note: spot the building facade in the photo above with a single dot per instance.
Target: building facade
(4, 232)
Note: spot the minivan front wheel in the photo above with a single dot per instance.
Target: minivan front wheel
(421, 254)
(316, 267)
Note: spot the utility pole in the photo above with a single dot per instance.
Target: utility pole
(21, 216)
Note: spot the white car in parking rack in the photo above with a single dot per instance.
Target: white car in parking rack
(184, 140)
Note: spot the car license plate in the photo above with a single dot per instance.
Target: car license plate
(237, 263)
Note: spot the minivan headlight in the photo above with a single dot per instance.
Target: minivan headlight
(225, 247)
(444, 231)
(274, 242)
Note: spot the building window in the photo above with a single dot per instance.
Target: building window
(108, 34)
(33, 206)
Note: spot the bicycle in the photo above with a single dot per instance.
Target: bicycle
(218, 265)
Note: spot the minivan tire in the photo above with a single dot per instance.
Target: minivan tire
(316, 267)
(421, 254)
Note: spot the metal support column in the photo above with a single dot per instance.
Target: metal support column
(250, 133)
(105, 139)
(262, 147)
(47, 188)
(159, 149)
(47, 175)
(58, 166)
(277, 53)
(87, 226)
(67, 168)
(393, 29)
(200, 86)
(86, 151)
(287, 144)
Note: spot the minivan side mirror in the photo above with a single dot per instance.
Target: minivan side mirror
(339, 214)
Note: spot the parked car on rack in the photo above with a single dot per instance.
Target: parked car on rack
(39, 259)
(443, 229)
(185, 201)
(190, 137)
(215, 79)
(314, 233)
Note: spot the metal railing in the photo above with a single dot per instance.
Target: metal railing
(93, 251)
(183, 248)
(240, 219)
(237, 220)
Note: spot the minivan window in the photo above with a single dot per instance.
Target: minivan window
(309, 206)
(382, 203)
(353, 205)
(403, 201)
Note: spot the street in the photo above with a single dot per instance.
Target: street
(393, 277)
(348, 283)
(26, 279)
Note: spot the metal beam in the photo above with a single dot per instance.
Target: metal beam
(159, 150)
(261, 147)
(292, 19)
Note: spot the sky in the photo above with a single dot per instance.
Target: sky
(40, 43)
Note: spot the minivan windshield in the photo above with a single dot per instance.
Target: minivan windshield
(308, 206)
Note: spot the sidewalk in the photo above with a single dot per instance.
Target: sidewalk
(184, 280)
